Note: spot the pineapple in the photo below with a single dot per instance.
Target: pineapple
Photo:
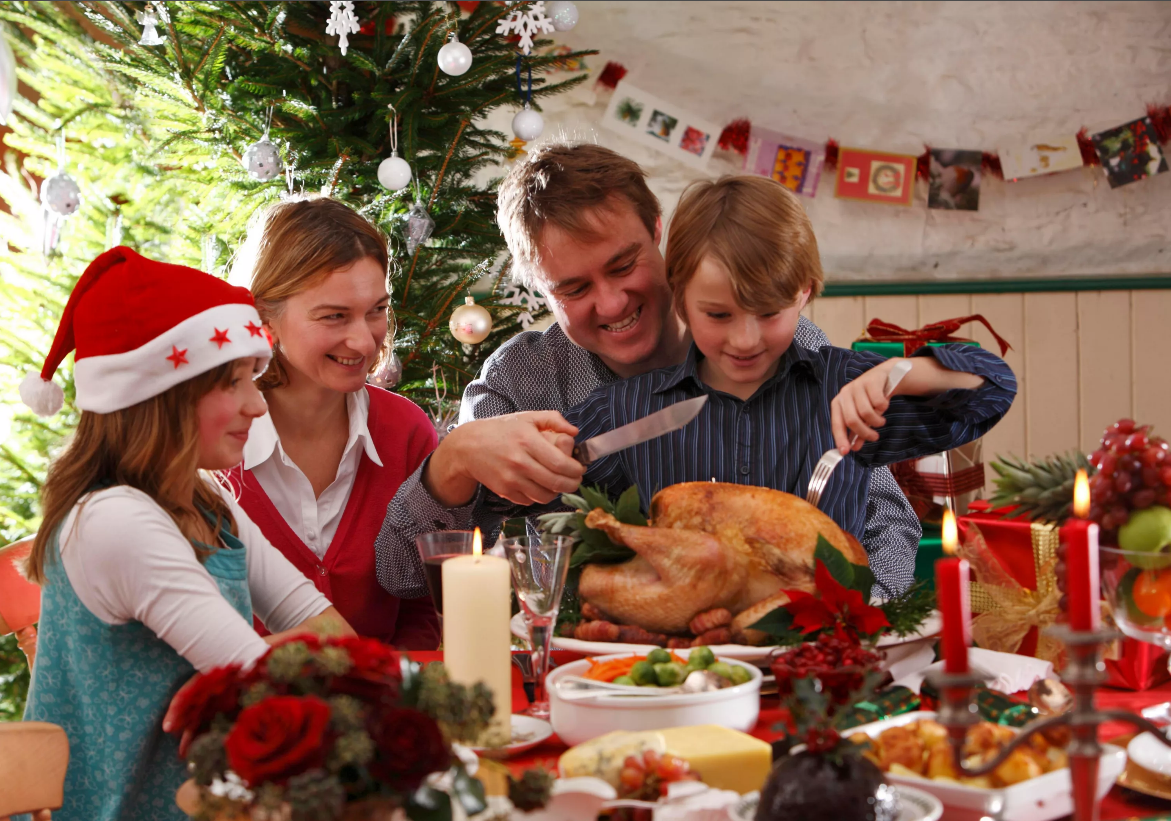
(1041, 490)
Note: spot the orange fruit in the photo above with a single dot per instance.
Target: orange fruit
(1152, 593)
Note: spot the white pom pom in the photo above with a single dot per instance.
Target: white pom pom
(42, 395)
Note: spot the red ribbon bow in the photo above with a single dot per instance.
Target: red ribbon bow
(879, 331)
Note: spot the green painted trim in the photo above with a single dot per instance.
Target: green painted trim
(998, 286)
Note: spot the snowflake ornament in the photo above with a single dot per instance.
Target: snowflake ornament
(522, 297)
(342, 22)
(525, 24)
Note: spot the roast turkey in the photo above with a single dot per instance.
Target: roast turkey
(710, 547)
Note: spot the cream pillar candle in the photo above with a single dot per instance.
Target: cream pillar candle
(477, 643)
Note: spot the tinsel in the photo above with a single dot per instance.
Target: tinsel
(1086, 146)
(923, 165)
(1161, 120)
(611, 75)
(831, 153)
(734, 137)
(990, 162)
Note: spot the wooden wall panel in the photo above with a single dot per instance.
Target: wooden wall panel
(944, 306)
(1151, 347)
(1051, 372)
(841, 318)
(1006, 313)
(1104, 357)
(901, 310)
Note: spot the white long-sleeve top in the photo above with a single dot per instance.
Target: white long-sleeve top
(314, 519)
(127, 560)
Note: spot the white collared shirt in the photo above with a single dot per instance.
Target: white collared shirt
(314, 520)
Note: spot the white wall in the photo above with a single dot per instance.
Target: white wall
(894, 76)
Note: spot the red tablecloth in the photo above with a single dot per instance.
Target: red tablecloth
(1119, 803)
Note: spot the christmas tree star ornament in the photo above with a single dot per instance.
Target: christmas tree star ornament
(470, 323)
(149, 18)
(394, 173)
(7, 81)
(342, 23)
(527, 124)
(455, 58)
(525, 23)
(262, 159)
(419, 226)
(563, 14)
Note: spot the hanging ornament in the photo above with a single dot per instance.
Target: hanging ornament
(529, 301)
(518, 149)
(394, 172)
(60, 199)
(7, 81)
(419, 226)
(262, 160)
(148, 18)
(388, 375)
(342, 23)
(471, 323)
(525, 23)
(455, 58)
(563, 14)
(527, 124)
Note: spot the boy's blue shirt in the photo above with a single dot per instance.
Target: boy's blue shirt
(776, 436)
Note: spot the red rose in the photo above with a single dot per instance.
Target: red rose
(410, 747)
(278, 738)
(371, 656)
(201, 699)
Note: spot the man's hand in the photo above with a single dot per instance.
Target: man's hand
(523, 457)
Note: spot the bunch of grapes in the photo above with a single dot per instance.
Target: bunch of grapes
(1134, 472)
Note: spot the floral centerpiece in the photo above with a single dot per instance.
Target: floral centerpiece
(321, 729)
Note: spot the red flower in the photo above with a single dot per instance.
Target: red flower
(838, 604)
(201, 699)
(278, 738)
(410, 747)
(371, 656)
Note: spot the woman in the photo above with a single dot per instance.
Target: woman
(322, 466)
(149, 569)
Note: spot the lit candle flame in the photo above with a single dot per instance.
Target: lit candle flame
(477, 544)
(950, 532)
(1081, 495)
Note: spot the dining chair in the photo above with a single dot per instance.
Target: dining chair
(33, 759)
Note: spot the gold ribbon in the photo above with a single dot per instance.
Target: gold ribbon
(1006, 609)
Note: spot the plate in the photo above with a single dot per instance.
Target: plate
(740, 652)
(1150, 753)
(1143, 781)
(914, 805)
(527, 732)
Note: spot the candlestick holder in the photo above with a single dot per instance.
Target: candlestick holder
(1083, 674)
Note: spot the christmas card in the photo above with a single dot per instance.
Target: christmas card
(794, 163)
(875, 176)
(1035, 156)
(660, 125)
(1130, 152)
(954, 180)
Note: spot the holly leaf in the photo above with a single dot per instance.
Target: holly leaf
(468, 791)
(838, 565)
(429, 804)
(628, 508)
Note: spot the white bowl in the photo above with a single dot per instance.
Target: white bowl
(734, 707)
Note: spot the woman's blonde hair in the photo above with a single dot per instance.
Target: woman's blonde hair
(293, 245)
(152, 446)
(756, 229)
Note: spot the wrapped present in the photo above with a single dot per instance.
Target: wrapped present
(1135, 665)
(910, 341)
(1014, 591)
(953, 479)
(930, 551)
(889, 349)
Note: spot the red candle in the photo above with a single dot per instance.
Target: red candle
(951, 591)
(1081, 561)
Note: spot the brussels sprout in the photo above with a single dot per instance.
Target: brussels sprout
(721, 668)
(740, 675)
(701, 658)
(658, 656)
(643, 674)
(670, 674)
(627, 680)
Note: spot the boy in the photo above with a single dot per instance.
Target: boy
(742, 263)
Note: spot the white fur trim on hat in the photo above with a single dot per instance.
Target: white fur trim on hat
(44, 396)
(196, 345)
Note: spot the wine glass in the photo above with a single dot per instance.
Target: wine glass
(539, 566)
(434, 550)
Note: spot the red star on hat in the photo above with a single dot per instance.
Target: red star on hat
(220, 338)
(178, 356)
(254, 329)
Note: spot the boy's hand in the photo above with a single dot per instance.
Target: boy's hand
(859, 407)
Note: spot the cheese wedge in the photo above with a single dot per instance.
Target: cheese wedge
(602, 757)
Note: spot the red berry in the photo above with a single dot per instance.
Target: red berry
(1109, 463)
(1154, 456)
(1137, 440)
(1113, 442)
(1124, 425)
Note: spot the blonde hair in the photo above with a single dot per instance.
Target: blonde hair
(293, 245)
(152, 446)
(756, 229)
(561, 184)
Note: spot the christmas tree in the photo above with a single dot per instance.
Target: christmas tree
(154, 136)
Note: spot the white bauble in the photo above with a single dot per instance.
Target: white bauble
(470, 323)
(455, 58)
(562, 13)
(394, 172)
(527, 124)
(60, 194)
(262, 161)
(7, 81)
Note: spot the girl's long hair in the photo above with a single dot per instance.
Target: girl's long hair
(152, 446)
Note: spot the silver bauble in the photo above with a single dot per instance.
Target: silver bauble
(394, 173)
(562, 13)
(470, 323)
(455, 58)
(527, 124)
(262, 161)
(60, 194)
(389, 374)
(419, 227)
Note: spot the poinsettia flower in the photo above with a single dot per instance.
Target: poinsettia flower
(848, 603)
(810, 613)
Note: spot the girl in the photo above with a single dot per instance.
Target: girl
(322, 466)
(149, 569)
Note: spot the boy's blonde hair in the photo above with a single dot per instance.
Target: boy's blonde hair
(756, 229)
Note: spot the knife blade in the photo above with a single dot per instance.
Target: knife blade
(651, 426)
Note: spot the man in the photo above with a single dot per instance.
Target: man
(583, 229)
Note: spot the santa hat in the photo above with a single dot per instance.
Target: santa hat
(141, 327)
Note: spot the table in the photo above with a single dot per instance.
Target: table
(1119, 804)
